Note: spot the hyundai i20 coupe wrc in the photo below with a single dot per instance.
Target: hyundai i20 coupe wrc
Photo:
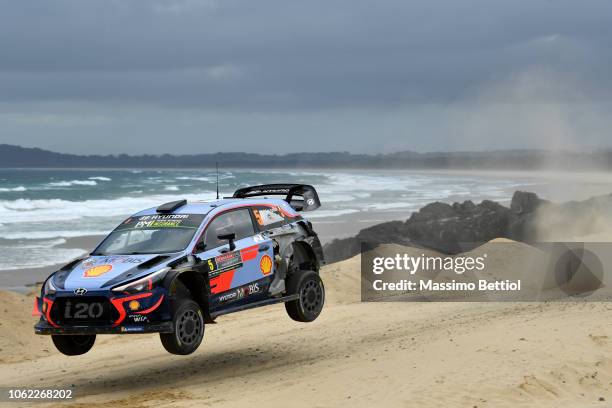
(175, 268)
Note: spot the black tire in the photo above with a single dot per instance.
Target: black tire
(188, 328)
(310, 287)
(73, 345)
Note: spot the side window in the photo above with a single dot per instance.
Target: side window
(238, 221)
(268, 217)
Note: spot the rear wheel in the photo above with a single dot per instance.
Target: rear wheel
(309, 286)
(188, 328)
(73, 345)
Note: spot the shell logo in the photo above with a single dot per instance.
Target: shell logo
(97, 271)
(265, 265)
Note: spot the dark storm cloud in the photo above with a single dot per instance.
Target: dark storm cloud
(289, 55)
(113, 76)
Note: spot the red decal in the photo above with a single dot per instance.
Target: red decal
(48, 311)
(152, 308)
(35, 311)
(225, 257)
(249, 253)
(222, 282)
(118, 303)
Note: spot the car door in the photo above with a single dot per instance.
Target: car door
(236, 275)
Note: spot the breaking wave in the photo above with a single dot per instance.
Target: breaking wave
(73, 183)
(20, 188)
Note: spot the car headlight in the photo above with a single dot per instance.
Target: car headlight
(49, 287)
(147, 282)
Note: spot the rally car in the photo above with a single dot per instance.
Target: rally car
(174, 268)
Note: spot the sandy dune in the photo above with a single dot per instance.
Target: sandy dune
(355, 354)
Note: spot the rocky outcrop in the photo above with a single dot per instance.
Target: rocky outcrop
(459, 227)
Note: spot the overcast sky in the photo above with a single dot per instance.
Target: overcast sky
(180, 76)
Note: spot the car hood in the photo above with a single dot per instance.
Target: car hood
(93, 272)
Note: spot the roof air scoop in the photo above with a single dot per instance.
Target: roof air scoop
(171, 206)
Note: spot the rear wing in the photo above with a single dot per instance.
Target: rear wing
(301, 197)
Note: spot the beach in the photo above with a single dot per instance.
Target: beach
(49, 217)
(427, 354)
(358, 354)
(420, 354)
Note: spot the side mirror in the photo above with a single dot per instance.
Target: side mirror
(228, 237)
(200, 246)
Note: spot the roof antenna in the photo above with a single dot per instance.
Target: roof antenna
(217, 165)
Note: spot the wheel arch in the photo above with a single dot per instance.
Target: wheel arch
(306, 256)
(196, 284)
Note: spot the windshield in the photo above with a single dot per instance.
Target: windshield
(151, 234)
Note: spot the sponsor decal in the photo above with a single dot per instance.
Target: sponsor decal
(96, 271)
(258, 217)
(265, 265)
(227, 259)
(136, 318)
(268, 216)
(134, 305)
(253, 288)
(120, 259)
(158, 221)
(228, 296)
(240, 293)
(128, 329)
(91, 262)
(88, 263)
(224, 262)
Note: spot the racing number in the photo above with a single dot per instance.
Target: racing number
(83, 310)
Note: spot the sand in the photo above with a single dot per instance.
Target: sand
(356, 354)
(17, 341)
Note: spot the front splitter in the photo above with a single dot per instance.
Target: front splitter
(46, 329)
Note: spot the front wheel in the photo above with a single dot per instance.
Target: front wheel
(188, 329)
(309, 286)
(73, 345)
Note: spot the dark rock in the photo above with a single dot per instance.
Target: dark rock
(456, 228)
(340, 249)
(460, 227)
(525, 202)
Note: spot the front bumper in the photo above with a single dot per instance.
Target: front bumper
(45, 328)
(150, 316)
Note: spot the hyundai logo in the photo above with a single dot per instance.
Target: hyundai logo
(80, 291)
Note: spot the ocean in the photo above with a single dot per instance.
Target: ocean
(41, 209)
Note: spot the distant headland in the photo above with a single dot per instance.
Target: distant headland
(12, 156)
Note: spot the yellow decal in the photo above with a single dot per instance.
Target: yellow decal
(134, 305)
(258, 217)
(97, 271)
(265, 265)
